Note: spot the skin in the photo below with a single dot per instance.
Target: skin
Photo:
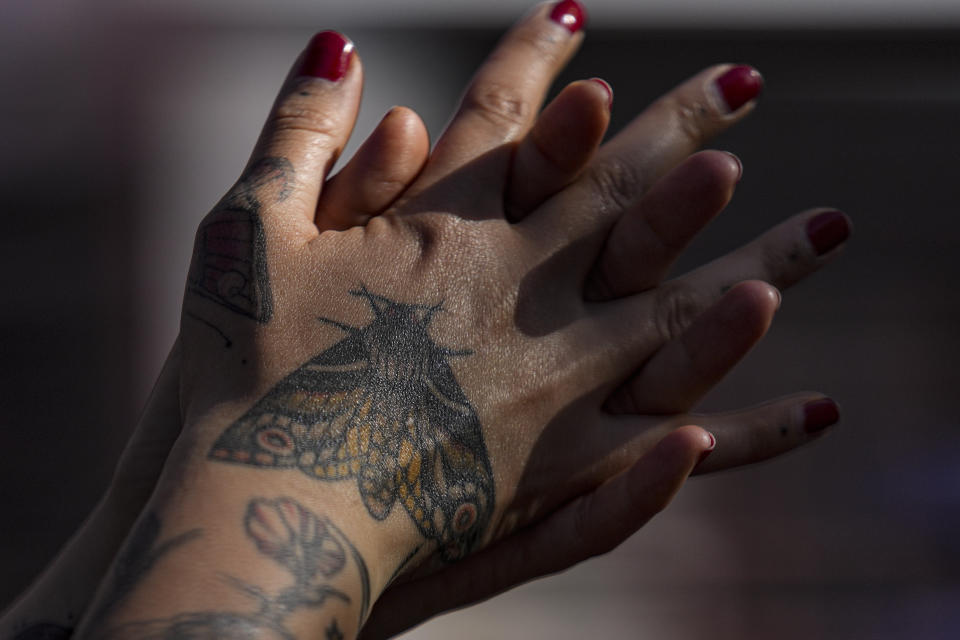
(548, 253)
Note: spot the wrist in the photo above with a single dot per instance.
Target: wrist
(219, 551)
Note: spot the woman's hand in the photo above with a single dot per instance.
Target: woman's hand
(499, 338)
(497, 347)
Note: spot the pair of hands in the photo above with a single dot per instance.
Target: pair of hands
(518, 271)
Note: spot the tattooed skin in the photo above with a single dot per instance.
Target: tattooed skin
(333, 632)
(381, 406)
(230, 261)
(308, 546)
(139, 555)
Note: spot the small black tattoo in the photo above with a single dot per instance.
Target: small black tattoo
(382, 406)
(333, 632)
(227, 342)
(230, 259)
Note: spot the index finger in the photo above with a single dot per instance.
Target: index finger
(503, 98)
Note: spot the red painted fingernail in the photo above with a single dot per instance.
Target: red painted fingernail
(820, 414)
(739, 85)
(570, 14)
(327, 56)
(606, 87)
(706, 452)
(827, 230)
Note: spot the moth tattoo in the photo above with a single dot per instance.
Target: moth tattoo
(382, 406)
(230, 261)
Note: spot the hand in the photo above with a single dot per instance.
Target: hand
(455, 298)
(636, 214)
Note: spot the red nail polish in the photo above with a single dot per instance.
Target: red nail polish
(606, 87)
(739, 85)
(827, 230)
(327, 56)
(570, 14)
(820, 414)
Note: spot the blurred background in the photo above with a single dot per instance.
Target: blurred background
(122, 122)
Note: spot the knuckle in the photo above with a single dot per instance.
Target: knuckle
(677, 306)
(692, 116)
(501, 105)
(617, 184)
(298, 116)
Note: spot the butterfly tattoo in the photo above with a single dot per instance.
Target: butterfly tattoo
(382, 406)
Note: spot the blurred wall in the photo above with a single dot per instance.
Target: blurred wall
(122, 127)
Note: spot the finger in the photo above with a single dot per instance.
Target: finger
(599, 521)
(382, 168)
(663, 135)
(743, 437)
(589, 525)
(782, 256)
(647, 239)
(504, 96)
(682, 371)
(311, 121)
(560, 144)
(768, 430)
(638, 325)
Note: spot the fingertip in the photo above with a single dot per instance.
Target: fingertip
(561, 143)
(737, 165)
(737, 87)
(756, 294)
(744, 314)
(819, 415)
(570, 14)
(690, 443)
(404, 137)
(827, 230)
(384, 166)
(717, 171)
(572, 125)
(607, 90)
(329, 55)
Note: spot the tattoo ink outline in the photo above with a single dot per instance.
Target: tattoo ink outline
(304, 543)
(383, 406)
(230, 258)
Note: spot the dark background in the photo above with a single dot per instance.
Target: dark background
(118, 136)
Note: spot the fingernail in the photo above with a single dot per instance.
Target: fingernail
(739, 166)
(706, 452)
(327, 56)
(827, 230)
(778, 294)
(570, 14)
(606, 87)
(820, 414)
(739, 85)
